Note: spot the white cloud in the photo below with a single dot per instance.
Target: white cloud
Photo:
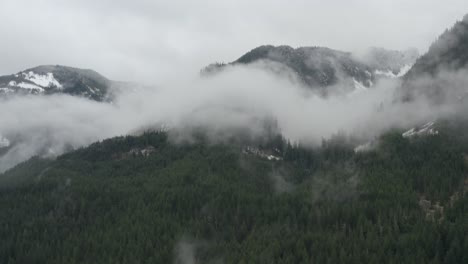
(235, 99)
(143, 40)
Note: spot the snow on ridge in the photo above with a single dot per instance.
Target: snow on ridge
(388, 74)
(47, 80)
(409, 133)
(359, 86)
(258, 152)
(364, 147)
(36, 82)
(427, 129)
(403, 70)
(91, 89)
(30, 86)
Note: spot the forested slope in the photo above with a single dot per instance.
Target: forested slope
(147, 200)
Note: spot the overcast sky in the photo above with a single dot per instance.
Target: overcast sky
(151, 40)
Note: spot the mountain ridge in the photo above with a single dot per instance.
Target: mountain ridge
(439, 74)
(321, 67)
(57, 79)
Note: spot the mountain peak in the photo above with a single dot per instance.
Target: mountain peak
(316, 67)
(54, 79)
(449, 51)
(389, 60)
(61, 68)
(447, 55)
(322, 67)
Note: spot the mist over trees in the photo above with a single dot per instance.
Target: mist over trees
(287, 155)
(146, 199)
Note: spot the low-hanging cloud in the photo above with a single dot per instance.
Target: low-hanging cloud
(148, 40)
(236, 98)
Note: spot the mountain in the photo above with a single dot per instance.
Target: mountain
(161, 197)
(443, 66)
(19, 145)
(448, 52)
(147, 200)
(319, 67)
(56, 79)
(389, 63)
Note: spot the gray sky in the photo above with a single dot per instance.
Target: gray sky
(149, 41)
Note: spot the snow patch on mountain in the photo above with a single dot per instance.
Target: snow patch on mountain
(363, 148)
(261, 154)
(57, 79)
(23, 85)
(46, 80)
(427, 129)
(366, 147)
(359, 86)
(30, 86)
(404, 70)
(389, 74)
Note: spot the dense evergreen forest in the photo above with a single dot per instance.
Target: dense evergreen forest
(147, 200)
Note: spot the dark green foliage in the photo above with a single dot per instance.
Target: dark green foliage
(142, 199)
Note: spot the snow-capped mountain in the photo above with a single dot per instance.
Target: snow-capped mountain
(319, 67)
(53, 79)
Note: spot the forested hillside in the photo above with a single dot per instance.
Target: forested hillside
(440, 74)
(147, 200)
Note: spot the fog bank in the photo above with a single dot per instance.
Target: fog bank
(236, 98)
